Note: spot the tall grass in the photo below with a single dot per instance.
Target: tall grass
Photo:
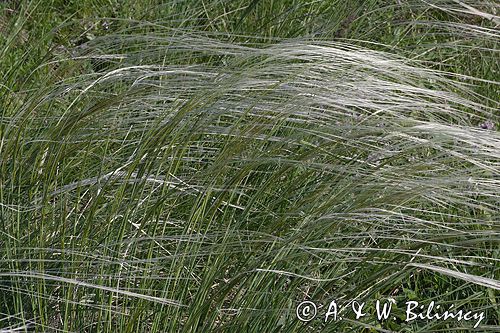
(194, 166)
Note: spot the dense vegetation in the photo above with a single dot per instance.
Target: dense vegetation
(206, 166)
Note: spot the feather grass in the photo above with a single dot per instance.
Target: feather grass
(183, 179)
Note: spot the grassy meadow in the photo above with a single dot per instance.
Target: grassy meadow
(211, 165)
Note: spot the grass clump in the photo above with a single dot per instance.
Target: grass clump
(193, 166)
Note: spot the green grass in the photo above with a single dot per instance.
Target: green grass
(206, 166)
